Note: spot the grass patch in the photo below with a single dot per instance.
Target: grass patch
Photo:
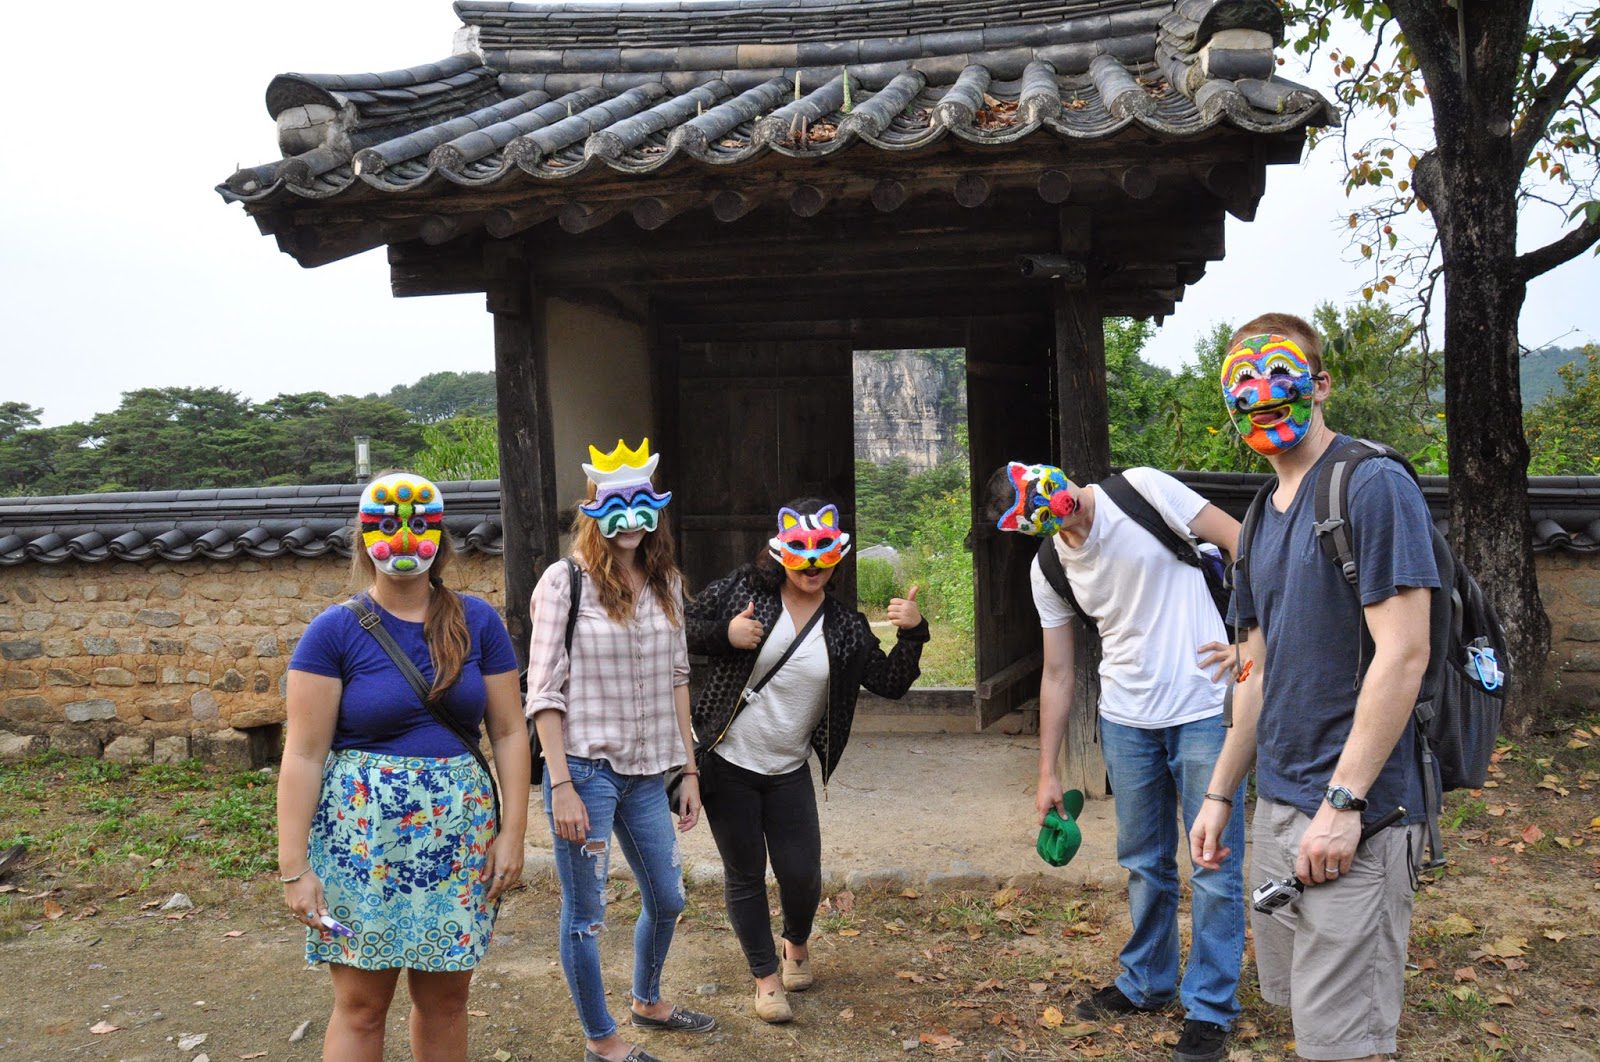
(948, 659)
(110, 825)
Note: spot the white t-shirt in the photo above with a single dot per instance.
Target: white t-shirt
(1153, 611)
(772, 735)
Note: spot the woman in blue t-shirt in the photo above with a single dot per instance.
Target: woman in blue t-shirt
(388, 847)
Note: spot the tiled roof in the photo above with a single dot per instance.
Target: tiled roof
(183, 525)
(555, 91)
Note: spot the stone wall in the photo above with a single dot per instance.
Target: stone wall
(168, 661)
(1570, 586)
(135, 661)
(908, 403)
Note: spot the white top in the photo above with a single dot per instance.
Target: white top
(1153, 611)
(772, 734)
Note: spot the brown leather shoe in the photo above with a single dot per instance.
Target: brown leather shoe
(797, 976)
(773, 1007)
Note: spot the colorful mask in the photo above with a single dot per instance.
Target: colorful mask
(402, 523)
(1044, 499)
(1267, 385)
(809, 541)
(624, 499)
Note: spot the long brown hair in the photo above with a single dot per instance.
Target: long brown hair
(657, 552)
(445, 626)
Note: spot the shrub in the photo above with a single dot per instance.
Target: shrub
(876, 582)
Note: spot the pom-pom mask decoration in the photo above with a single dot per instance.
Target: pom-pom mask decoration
(1267, 385)
(1043, 500)
(624, 498)
(402, 523)
(809, 541)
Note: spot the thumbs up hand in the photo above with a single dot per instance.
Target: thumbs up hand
(903, 611)
(744, 630)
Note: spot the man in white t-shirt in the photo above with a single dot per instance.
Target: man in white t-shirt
(1160, 722)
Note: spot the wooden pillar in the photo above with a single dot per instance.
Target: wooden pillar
(528, 509)
(1083, 450)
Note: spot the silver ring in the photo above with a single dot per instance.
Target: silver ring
(500, 875)
(1331, 870)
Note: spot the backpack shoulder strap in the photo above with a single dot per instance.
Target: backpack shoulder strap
(1138, 509)
(1056, 576)
(575, 577)
(1252, 520)
(1332, 500)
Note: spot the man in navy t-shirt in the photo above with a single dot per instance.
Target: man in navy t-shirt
(1324, 707)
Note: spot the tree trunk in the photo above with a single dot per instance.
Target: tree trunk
(1473, 198)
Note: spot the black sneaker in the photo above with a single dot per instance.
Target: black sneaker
(1107, 1003)
(1202, 1041)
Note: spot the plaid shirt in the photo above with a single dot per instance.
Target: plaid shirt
(617, 699)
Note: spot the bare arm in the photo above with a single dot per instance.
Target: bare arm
(313, 713)
(1056, 688)
(1399, 627)
(1213, 525)
(1233, 763)
(689, 787)
(508, 736)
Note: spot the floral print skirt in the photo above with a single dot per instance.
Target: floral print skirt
(400, 844)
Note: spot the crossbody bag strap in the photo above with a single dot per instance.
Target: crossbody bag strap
(749, 692)
(373, 625)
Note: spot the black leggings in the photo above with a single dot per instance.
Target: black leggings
(753, 816)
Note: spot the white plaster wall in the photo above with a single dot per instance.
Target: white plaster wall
(599, 388)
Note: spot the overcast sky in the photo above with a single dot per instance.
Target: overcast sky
(121, 267)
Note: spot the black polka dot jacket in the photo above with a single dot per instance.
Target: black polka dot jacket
(855, 659)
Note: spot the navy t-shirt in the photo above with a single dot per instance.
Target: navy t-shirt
(1317, 647)
(378, 709)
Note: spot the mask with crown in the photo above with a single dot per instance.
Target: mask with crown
(624, 498)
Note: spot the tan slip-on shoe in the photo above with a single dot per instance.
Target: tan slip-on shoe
(797, 976)
(773, 1007)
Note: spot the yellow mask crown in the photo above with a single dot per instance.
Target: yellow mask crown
(620, 457)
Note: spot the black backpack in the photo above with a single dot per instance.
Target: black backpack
(1141, 512)
(1457, 716)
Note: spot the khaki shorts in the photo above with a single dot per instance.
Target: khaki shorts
(1337, 956)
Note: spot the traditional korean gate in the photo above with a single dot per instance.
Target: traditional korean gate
(759, 423)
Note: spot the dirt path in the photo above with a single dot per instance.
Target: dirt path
(1506, 947)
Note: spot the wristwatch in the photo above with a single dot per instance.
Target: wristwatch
(1341, 799)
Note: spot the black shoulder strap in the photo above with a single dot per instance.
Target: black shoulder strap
(748, 693)
(575, 577)
(1332, 500)
(1138, 509)
(1056, 576)
(1247, 532)
(373, 625)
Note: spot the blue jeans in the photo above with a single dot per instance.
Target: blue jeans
(635, 807)
(1150, 770)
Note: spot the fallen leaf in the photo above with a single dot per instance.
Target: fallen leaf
(1532, 834)
(846, 1014)
(1454, 924)
(939, 1041)
(1495, 810)
(1594, 823)
(912, 976)
(909, 894)
(1577, 743)
(1466, 973)
(502, 1055)
(101, 1028)
(253, 1054)
(1164, 1038)
(1493, 1028)
(1052, 1018)
(233, 933)
(974, 932)
(1004, 897)
(1500, 999)
(53, 910)
(849, 932)
(845, 902)
(191, 1041)
(1555, 934)
(1082, 1028)
(1507, 948)
(1463, 993)
(8, 888)
(991, 985)
(478, 1013)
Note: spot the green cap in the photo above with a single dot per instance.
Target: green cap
(1059, 838)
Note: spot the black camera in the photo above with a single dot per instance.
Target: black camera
(1276, 894)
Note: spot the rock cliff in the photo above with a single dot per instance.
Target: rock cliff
(909, 403)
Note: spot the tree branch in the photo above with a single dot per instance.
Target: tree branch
(1540, 261)
(1549, 98)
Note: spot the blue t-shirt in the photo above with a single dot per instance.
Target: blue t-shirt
(1317, 646)
(378, 709)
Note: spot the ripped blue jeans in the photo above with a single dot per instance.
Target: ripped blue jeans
(634, 808)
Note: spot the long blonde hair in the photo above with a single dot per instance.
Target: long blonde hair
(660, 559)
(445, 626)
